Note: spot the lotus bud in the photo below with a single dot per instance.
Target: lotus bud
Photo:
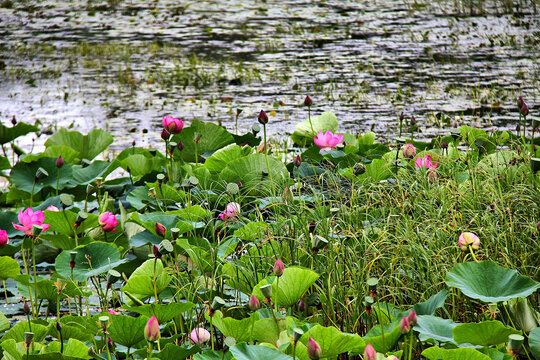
(104, 322)
(60, 162)
(467, 239)
(392, 357)
(297, 334)
(370, 353)
(165, 135)
(297, 161)
(538, 225)
(13, 120)
(313, 349)
(401, 117)
(279, 267)
(4, 240)
(413, 120)
(110, 344)
(28, 338)
(308, 101)
(180, 146)
(133, 143)
(266, 290)
(409, 151)
(26, 308)
(254, 303)
(520, 102)
(432, 174)
(199, 336)
(524, 110)
(404, 325)
(72, 257)
(263, 118)
(155, 251)
(301, 305)
(161, 230)
(518, 128)
(311, 227)
(151, 330)
(413, 318)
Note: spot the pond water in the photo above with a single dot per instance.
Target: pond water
(122, 65)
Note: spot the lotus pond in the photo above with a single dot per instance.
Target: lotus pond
(224, 248)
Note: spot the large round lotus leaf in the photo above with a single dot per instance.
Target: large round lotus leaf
(433, 327)
(489, 282)
(435, 353)
(534, 342)
(484, 333)
(252, 172)
(211, 137)
(219, 160)
(8, 134)
(127, 330)
(88, 146)
(260, 352)
(9, 268)
(240, 330)
(91, 260)
(303, 134)
(334, 342)
(23, 175)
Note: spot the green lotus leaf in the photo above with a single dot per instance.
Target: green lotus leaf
(4, 322)
(73, 348)
(222, 157)
(260, 352)
(291, 285)
(9, 268)
(141, 165)
(437, 353)
(433, 327)
(72, 332)
(334, 342)
(264, 330)
(88, 146)
(495, 354)
(434, 302)
(91, 260)
(23, 174)
(175, 352)
(8, 134)
(240, 330)
(163, 313)
(127, 330)
(67, 153)
(534, 342)
(489, 282)
(17, 332)
(141, 282)
(305, 131)
(391, 336)
(484, 333)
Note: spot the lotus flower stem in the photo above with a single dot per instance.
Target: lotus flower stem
(472, 253)
(155, 282)
(5, 291)
(32, 193)
(212, 332)
(35, 275)
(411, 334)
(27, 273)
(275, 302)
(149, 351)
(267, 163)
(380, 323)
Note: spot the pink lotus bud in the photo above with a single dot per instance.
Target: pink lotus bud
(4, 240)
(172, 125)
(155, 250)
(199, 335)
(151, 330)
(308, 101)
(60, 162)
(26, 308)
(392, 357)
(467, 239)
(263, 118)
(404, 325)
(409, 151)
(52, 208)
(369, 353)
(432, 174)
(297, 161)
(313, 349)
(262, 148)
(401, 117)
(161, 230)
(108, 221)
(413, 318)
(278, 268)
(254, 303)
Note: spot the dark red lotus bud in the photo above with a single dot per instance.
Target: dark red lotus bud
(165, 135)
(401, 116)
(312, 226)
(26, 308)
(180, 146)
(297, 160)
(308, 101)
(524, 110)
(133, 143)
(161, 230)
(518, 128)
(239, 184)
(263, 118)
(520, 103)
(301, 305)
(60, 162)
(155, 250)
(13, 120)
(413, 120)
(110, 344)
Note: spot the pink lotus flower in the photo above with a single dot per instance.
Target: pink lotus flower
(52, 208)
(327, 141)
(279, 267)
(231, 211)
(409, 151)
(113, 312)
(413, 318)
(370, 353)
(254, 303)
(28, 219)
(467, 239)
(151, 330)
(404, 325)
(425, 162)
(313, 349)
(199, 335)
(4, 240)
(108, 221)
(173, 125)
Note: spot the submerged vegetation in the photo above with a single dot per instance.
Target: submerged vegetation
(224, 248)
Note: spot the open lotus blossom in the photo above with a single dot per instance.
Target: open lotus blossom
(108, 221)
(151, 330)
(426, 162)
(467, 239)
(199, 335)
(327, 141)
(28, 219)
(409, 151)
(173, 125)
(4, 240)
(113, 312)
(231, 211)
